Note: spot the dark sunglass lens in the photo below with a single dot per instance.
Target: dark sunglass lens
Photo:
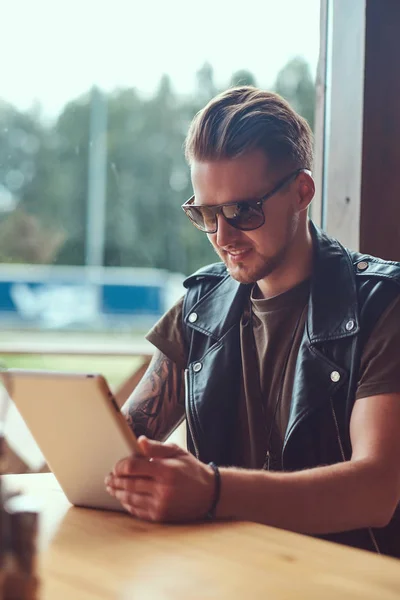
(202, 217)
(243, 215)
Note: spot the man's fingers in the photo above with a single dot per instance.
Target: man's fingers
(130, 509)
(135, 500)
(131, 484)
(154, 449)
(135, 467)
(139, 513)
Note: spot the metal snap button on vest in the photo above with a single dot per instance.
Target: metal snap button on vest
(197, 367)
(350, 325)
(192, 318)
(361, 266)
(335, 376)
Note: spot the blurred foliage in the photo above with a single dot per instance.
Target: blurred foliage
(23, 239)
(294, 82)
(243, 77)
(44, 174)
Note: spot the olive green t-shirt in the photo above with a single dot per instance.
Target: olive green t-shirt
(271, 330)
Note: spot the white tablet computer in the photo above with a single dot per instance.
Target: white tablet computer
(79, 428)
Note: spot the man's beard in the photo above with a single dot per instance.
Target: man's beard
(265, 265)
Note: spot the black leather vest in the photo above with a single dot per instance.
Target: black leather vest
(349, 292)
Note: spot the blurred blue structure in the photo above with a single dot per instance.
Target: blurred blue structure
(97, 298)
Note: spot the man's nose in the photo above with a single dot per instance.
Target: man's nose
(226, 234)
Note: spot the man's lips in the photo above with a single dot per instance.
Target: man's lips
(237, 255)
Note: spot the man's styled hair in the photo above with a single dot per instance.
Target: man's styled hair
(246, 118)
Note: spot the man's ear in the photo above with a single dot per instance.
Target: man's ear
(306, 190)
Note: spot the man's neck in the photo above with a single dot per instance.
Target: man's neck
(295, 268)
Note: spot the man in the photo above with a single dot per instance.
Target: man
(284, 358)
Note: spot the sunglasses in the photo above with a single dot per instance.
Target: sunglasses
(246, 215)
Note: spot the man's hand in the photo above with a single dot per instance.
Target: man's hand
(166, 484)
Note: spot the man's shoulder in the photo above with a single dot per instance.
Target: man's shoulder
(372, 267)
(212, 273)
(378, 287)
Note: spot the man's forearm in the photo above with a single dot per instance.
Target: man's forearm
(156, 406)
(326, 499)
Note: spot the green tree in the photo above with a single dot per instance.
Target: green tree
(148, 180)
(26, 174)
(242, 77)
(295, 84)
(24, 239)
(205, 86)
(143, 147)
(45, 169)
(70, 164)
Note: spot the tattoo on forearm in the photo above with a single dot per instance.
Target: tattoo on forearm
(157, 404)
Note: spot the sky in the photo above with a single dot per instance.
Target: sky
(54, 50)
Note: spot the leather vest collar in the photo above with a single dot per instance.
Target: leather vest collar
(333, 309)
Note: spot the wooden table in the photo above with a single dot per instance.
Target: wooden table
(90, 555)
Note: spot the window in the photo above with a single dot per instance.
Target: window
(95, 104)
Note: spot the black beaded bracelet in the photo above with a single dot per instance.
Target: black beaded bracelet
(217, 492)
